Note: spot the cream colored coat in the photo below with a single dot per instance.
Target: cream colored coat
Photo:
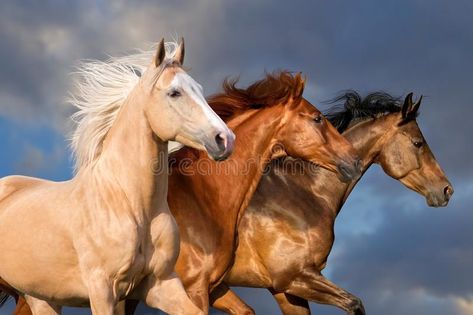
(108, 234)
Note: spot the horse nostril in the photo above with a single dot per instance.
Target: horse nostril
(448, 192)
(221, 141)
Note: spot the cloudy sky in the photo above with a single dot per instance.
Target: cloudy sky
(395, 253)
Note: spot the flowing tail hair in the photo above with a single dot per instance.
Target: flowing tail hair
(3, 298)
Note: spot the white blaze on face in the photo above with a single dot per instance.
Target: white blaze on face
(192, 89)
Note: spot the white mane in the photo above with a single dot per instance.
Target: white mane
(101, 87)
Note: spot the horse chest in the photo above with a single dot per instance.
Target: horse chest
(117, 249)
(320, 241)
(129, 258)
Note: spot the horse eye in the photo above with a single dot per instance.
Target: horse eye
(418, 144)
(318, 119)
(174, 93)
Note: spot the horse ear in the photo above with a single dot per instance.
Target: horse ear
(299, 88)
(160, 54)
(180, 51)
(415, 107)
(407, 105)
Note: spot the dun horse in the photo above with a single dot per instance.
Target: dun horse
(271, 119)
(108, 234)
(286, 234)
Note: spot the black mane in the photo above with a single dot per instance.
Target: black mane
(356, 109)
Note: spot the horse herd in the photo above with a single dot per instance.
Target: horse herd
(251, 199)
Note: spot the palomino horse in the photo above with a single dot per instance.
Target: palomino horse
(108, 233)
(286, 233)
(271, 119)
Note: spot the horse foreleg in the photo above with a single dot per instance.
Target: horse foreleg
(101, 297)
(314, 287)
(40, 307)
(168, 295)
(290, 304)
(198, 291)
(120, 308)
(224, 299)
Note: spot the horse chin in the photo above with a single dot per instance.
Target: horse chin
(435, 202)
(218, 155)
(344, 178)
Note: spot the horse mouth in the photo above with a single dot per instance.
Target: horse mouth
(435, 202)
(440, 199)
(348, 172)
(218, 155)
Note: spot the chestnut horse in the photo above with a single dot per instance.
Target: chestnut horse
(108, 233)
(286, 233)
(271, 119)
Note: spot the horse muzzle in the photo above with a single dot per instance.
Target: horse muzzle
(222, 145)
(440, 198)
(349, 171)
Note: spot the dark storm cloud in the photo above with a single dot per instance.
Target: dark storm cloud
(423, 255)
(431, 251)
(399, 47)
(34, 39)
(385, 251)
(41, 43)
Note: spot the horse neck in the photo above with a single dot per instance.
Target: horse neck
(238, 177)
(367, 138)
(130, 153)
